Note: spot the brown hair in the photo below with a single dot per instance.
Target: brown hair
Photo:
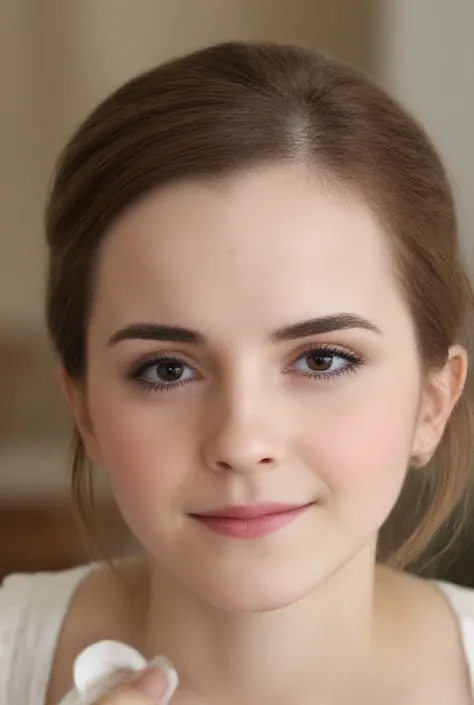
(234, 106)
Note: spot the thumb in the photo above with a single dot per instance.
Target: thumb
(158, 681)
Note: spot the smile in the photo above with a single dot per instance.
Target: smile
(247, 522)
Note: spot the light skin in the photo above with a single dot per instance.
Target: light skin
(330, 413)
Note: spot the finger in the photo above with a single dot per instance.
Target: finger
(126, 695)
(154, 685)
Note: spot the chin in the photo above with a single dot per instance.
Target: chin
(257, 586)
(240, 576)
(258, 598)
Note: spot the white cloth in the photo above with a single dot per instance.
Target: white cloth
(33, 607)
(32, 610)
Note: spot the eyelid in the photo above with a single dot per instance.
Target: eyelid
(156, 358)
(333, 348)
(136, 373)
(352, 363)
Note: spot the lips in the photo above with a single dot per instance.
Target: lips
(250, 521)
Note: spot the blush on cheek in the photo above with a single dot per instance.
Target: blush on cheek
(142, 457)
(368, 456)
(145, 481)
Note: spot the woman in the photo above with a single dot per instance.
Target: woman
(257, 299)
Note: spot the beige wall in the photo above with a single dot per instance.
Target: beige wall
(424, 53)
(57, 59)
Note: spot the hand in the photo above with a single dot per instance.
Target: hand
(152, 686)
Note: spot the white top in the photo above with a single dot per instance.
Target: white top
(33, 607)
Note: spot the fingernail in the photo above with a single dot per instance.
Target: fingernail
(159, 680)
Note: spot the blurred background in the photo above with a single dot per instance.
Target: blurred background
(57, 60)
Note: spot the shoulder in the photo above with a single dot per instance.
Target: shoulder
(460, 598)
(32, 608)
(461, 601)
(428, 628)
(104, 606)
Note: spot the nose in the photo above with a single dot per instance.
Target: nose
(244, 439)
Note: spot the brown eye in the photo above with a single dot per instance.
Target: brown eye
(163, 373)
(319, 361)
(169, 371)
(325, 363)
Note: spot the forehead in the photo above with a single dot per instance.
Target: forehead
(271, 242)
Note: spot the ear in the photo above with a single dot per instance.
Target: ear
(441, 391)
(76, 396)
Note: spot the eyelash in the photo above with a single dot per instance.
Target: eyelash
(353, 360)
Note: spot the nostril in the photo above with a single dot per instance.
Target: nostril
(266, 461)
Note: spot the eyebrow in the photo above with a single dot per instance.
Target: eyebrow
(326, 324)
(295, 331)
(156, 331)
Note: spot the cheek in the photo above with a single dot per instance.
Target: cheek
(145, 450)
(364, 444)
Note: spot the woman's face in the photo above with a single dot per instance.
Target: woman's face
(249, 344)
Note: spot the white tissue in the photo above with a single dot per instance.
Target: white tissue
(101, 666)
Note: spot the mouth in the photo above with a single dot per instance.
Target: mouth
(250, 521)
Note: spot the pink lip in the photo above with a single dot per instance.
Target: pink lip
(250, 521)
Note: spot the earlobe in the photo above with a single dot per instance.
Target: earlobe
(441, 392)
(76, 397)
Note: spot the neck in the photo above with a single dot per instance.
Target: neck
(321, 646)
